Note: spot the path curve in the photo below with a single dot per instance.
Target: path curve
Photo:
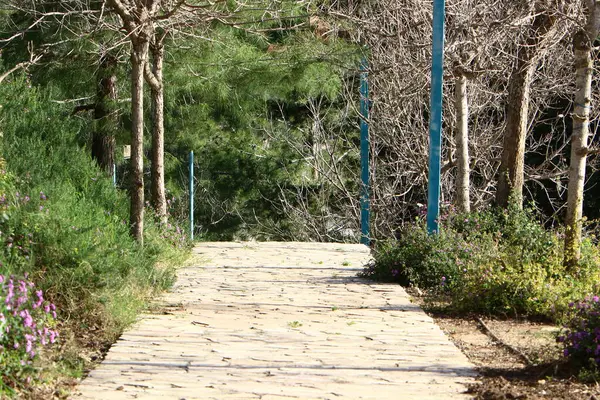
(281, 321)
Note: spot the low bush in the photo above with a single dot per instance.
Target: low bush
(500, 263)
(582, 336)
(26, 324)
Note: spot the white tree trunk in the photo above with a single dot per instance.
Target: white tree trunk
(159, 201)
(461, 104)
(583, 43)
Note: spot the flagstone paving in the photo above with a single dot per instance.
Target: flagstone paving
(281, 321)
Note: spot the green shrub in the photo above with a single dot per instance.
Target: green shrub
(63, 223)
(427, 261)
(503, 263)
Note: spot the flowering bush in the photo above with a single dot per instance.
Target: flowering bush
(26, 322)
(582, 338)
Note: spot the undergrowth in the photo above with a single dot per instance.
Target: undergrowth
(502, 263)
(64, 225)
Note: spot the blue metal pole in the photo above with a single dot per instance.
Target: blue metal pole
(364, 155)
(114, 175)
(435, 123)
(191, 165)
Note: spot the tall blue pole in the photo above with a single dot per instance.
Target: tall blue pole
(191, 165)
(364, 155)
(435, 123)
(114, 175)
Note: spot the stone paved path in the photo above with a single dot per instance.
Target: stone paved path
(281, 321)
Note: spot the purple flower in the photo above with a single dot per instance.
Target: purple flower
(27, 318)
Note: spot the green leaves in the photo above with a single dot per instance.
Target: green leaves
(500, 263)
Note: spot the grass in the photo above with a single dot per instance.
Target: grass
(294, 324)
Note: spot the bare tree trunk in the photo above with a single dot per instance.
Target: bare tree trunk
(461, 104)
(583, 43)
(159, 201)
(511, 178)
(139, 55)
(103, 137)
(512, 166)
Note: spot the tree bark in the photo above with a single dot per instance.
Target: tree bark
(583, 43)
(103, 137)
(137, 17)
(159, 201)
(512, 166)
(139, 55)
(461, 104)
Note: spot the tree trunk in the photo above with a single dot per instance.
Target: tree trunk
(103, 137)
(461, 104)
(159, 201)
(139, 55)
(583, 43)
(512, 166)
(512, 175)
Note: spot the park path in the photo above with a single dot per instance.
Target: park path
(281, 321)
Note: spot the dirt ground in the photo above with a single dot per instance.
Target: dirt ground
(517, 359)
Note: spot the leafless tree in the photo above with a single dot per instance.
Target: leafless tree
(583, 46)
(507, 69)
(539, 26)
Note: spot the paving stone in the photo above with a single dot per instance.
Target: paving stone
(281, 321)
